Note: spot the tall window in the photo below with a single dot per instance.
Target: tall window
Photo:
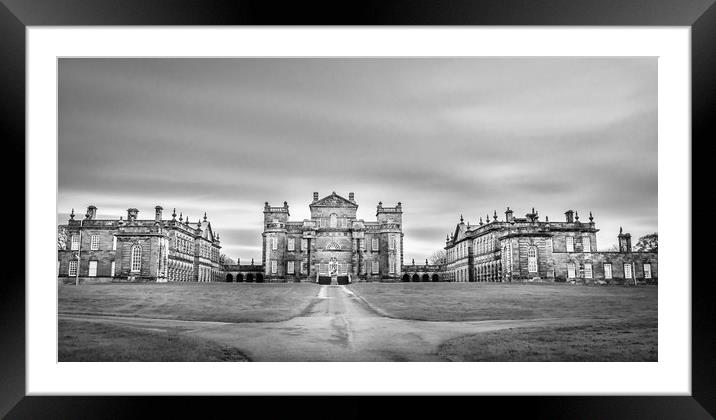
(333, 221)
(323, 268)
(303, 267)
(586, 244)
(587, 271)
(647, 271)
(274, 243)
(532, 259)
(72, 271)
(274, 266)
(627, 271)
(75, 244)
(92, 269)
(374, 243)
(607, 271)
(111, 269)
(550, 244)
(94, 242)
(392, 266)
(304, 244)
(571, 271)
(289, 267)
(570, 244)
(136, 262)
(375, 267)
(291, 244)
(114, 243)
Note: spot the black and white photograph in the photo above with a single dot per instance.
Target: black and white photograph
(357, 209)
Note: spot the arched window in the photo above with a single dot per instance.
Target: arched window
(136, 262)
(532, 259)
(333, 221)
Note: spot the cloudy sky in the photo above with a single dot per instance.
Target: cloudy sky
(443, 136)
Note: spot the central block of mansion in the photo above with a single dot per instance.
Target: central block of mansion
(333, 242)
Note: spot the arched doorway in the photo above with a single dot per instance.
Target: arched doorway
(229, 278)
(426, 278)
(250, 278)
(406, 277)
(436, 278)
(416, 278)
(239, 278)
(259, 278)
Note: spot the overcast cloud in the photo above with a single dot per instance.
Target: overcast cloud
(443, 136)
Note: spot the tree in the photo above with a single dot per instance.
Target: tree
(61, 237)
(223, 259)
(648, 243)
(438, 257)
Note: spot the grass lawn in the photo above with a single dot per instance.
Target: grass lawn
(608, 341)
(224, 302)
(96, 342)
(484, 301)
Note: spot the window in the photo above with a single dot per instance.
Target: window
(570, 244)
(586, 244)
(627, 271)
(323, 268)
(374, 244)
(587, 271)
(375, 267)
(274, 266)
(607, 271)
(73, 268)
(114, 243)
(392, 266)
(93, 269)
(136, 261)
(304, 244)
(333, 221)
(291, 244)
(571, 271)
(550, 244)
(532, 259)
(289, 267)
(303, 267)
(274, 243)
(75, 243)
(94, 242)
(647, 271)
(111, 269)
(391, 242)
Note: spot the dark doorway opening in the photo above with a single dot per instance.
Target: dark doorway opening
(416, 278)
(406, 277)
(249, 278)
(342, 280)
(436, 278)
(426, 277)
(259, 278)
(229, 278)
(239, 278)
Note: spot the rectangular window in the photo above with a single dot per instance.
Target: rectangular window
(570, 244)
(93, 269)
(114, 243)
(289, 267)
(274, 243)
(303, 267)
(586, 244)
(75, 244)
(392, 266)
(274, 266)
(72, 271)
(571, 271)
(550, 244)
(587, 271)
(304, 244)
(627, 271)
(323, 268)
(94, 242)
(375, 267)
(391, 242)
(647, 271)
(374, 243)
(607, 271)
(291, 244)
(111, 269)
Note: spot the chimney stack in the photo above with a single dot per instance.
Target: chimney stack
(569, 215)
(158, 213)
(315, 197)
(624, 241)
(351, 196)
(132, 214)
(91, 212)
(509, 214)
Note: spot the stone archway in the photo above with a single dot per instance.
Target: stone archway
(415, 278)
(239, 278)
(229, 278)
(426, 278)
(436, 278)
(406, 277)
(250, 278)
(259, 278)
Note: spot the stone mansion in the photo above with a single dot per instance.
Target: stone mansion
(334, 246)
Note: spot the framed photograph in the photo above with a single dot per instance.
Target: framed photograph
(213, 179)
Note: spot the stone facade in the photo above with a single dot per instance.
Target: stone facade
(527, 249)
(134, 250)
(333, 243)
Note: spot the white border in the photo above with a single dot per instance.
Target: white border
(671, 375)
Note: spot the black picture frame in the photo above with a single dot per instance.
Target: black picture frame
(16, 15)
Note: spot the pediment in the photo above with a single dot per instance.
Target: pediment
(334, 200)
